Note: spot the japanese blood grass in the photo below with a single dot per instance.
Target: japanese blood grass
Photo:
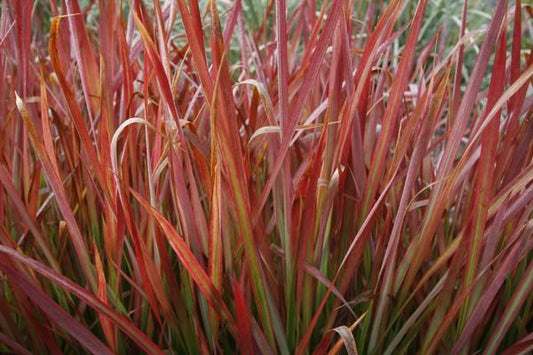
(266, 177)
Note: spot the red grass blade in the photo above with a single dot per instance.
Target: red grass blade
(19, 349)
(53, 311)
(62, 201)
(63, 318)
(522, 292)
(244, 326)
(190, 263)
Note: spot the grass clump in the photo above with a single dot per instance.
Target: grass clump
(265, 177)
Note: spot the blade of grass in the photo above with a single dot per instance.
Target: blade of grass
(61, 197)
(62, 317)
(522, 291)
(485, 168)
(523, 346)
(389, 260)
(244, 326)
(189, 261)
(13, 345)
(489, 293)
(53, 311)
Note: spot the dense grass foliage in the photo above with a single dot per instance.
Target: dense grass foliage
(266, 176)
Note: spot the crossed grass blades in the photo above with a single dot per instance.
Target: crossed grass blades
(266, 176)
